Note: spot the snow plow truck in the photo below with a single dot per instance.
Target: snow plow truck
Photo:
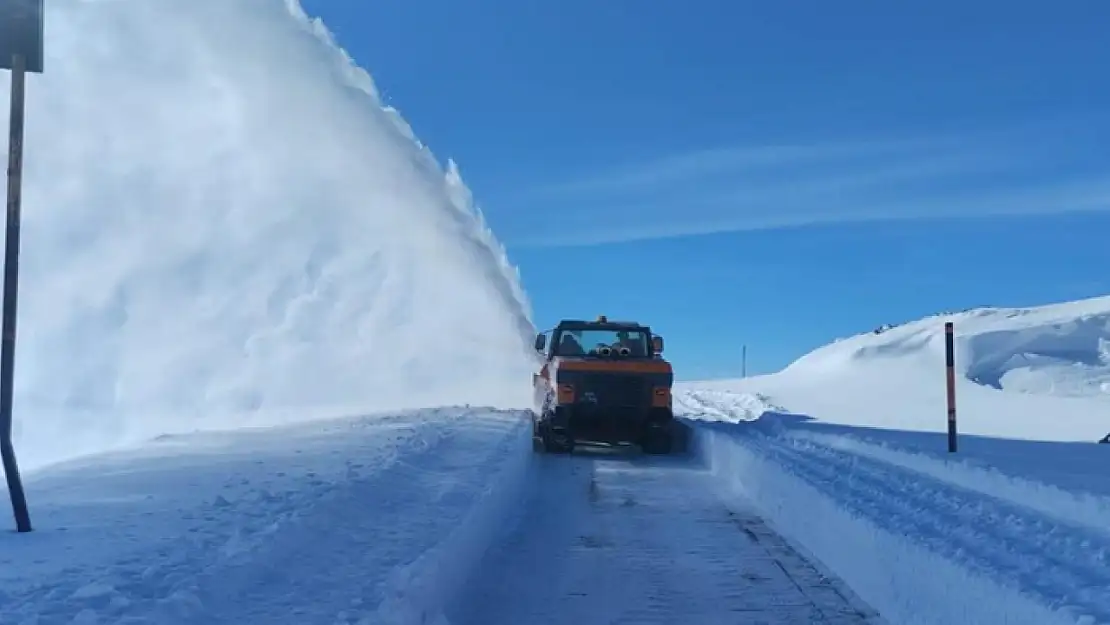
(602, 382)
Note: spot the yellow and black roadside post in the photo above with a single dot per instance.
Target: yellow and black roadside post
(950, 367)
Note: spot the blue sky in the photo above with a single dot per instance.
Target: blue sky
(775, 174)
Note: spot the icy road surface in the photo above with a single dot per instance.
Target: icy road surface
(643, 540)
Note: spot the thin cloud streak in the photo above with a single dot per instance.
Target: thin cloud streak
(733, 160)
(1071, 197)
(764, 187)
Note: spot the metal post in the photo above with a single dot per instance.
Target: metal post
(744, 361)
(950, 368)
(22, 24)
(11, 290)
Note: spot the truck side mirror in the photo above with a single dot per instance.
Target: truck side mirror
(541, 342)
(657, 344)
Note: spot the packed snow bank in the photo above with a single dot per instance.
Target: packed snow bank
(1061, 480)
(368, 520)
(224, 223)
(921, 552)
(1037, 373)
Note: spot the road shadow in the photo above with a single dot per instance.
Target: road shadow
(686, 452)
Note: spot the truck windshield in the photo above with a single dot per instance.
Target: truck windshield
(588, 342)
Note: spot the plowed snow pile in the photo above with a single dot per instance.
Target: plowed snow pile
(1038, 373)
(224, 226)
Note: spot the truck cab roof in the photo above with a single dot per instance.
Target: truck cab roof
(601, 323)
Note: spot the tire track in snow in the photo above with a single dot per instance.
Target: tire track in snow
(1063, 566)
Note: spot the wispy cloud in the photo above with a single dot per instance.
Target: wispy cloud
(709, 162)
(773, 186)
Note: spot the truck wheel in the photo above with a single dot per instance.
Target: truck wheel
(555, 446)
(657, 442)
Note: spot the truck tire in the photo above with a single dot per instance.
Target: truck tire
(657, 442)
(553, 446)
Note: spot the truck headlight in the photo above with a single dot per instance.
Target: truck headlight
(565, 393)
(661, 397)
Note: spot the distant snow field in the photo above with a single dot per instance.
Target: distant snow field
(1035, 373)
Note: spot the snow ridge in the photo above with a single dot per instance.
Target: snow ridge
(1057, 349)
(913, 574)
(1078, 508)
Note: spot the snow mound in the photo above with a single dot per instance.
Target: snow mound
(916, 547)
(225, 226)
(1038, 373)
(1058, 349)
(709, 405)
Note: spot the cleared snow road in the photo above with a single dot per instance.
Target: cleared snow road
(617, 539)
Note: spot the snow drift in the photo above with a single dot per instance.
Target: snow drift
(1039, 373)
(224, 225)
(919, 550)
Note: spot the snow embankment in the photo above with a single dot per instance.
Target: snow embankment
(227, 227)
(919, 550)
(845, 452)
(368, 520)
(1034, 373)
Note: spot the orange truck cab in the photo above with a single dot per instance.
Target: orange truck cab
(602, 381)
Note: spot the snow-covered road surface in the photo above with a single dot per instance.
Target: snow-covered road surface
(447, 517)
(429, 517)
(612, 538)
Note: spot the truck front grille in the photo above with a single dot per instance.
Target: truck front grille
(613, 389)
